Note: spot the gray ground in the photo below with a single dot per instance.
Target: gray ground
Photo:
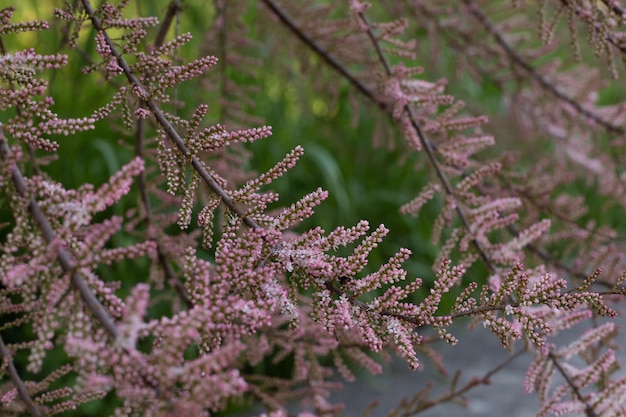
(476, 353)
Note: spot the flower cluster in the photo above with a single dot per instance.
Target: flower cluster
(227, 283)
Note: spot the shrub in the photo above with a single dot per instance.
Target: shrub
(148, 268)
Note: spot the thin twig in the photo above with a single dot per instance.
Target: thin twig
(167, 126)
(22, 392)
(170, 275)
(67, 264)
(172, 10)
(339, 67)
(43, 224)
(589, 411)
(325, 55)
(144, 199)
(472, 383)
(430, 151)
(541, 80)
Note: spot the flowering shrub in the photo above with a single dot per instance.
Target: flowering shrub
(226, 278)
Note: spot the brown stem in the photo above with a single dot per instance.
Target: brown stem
(428, 146)
(474, 382)
(67, 264)
(325, 55)
(167, 126)
(42, 223)
(543, 82)
(589, 411)
(22, 392)
(172, 10)
(170, 275)
(338, 66)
